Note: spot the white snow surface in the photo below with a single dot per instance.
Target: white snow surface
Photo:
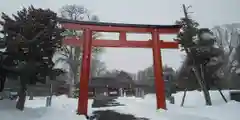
(64, 108)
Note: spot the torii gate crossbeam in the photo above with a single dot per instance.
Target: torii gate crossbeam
(156, 44)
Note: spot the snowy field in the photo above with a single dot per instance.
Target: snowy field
(64, 108)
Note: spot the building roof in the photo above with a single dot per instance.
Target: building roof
(120, 80)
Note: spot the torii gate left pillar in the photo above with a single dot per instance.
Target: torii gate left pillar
(156, 44)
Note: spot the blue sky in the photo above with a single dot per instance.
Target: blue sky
(207, 12)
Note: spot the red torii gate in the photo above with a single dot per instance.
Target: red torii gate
(156, 44)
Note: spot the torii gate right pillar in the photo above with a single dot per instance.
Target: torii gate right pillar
(158, 72)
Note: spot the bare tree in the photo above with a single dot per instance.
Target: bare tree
(72, 53)
(98, 68)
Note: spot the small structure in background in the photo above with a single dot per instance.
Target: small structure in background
(122, 84)
(111, 86)
(139, 90)
(39, 90)
(235, 95)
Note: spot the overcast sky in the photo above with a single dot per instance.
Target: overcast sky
(207, 12)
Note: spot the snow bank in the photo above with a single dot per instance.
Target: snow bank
(64, 108)
(194, 107)
(196, 98)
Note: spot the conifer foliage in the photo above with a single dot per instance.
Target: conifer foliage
(203, 55)
(31, 38)
(32, 35)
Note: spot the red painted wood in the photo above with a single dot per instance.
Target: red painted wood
(123, 36)
(155, 44)
(85, 73)
(123, 43)
(157, 62)
(168, 31)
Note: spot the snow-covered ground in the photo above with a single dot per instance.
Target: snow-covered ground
(64, 108)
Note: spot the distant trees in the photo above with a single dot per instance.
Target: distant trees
(227, 36)
(98, 67)
(146, 77)
(31, 38)
(119, 74)
(148, 72)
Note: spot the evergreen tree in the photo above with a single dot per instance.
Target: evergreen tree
(204, 56)
(187, 39)
(31, 38)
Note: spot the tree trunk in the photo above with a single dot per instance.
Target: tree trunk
(21, 100)
(30, 95)
(203, 86)
(73, 77)
(22, 93)
(71, 90)
(2, 83)
(71, 85)
(206, 86)
(200, 79)
(184, 96)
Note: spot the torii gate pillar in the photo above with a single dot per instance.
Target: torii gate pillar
(158, 72)
(85, 73)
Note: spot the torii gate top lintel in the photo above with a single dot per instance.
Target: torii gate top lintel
(108, 24)
(123, 29)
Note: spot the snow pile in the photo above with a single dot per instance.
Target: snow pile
(36, 110)
(64, 108)
(196, 98)
(194, 107)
